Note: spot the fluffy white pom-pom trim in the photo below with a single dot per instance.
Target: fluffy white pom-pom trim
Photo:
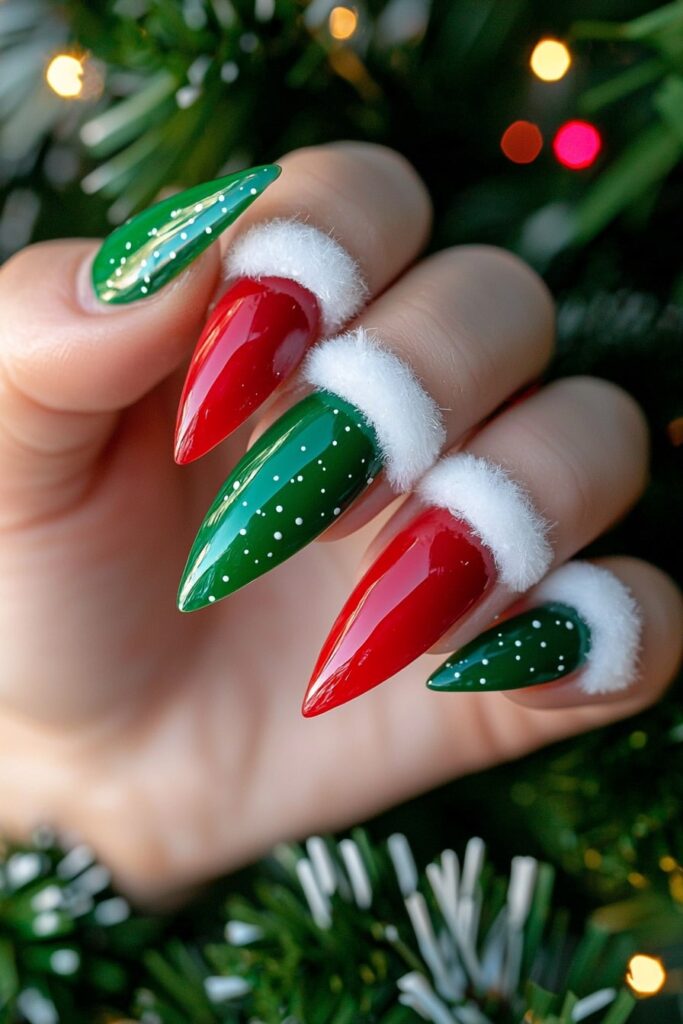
(499, 512)
(302, 253)
(406, 420)
(612, 616)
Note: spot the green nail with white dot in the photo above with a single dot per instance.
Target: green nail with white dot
(544, 644)
(293, 483)
(153, 247)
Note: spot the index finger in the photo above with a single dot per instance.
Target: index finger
(334, 230)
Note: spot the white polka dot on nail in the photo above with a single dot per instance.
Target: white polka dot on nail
(277, 535)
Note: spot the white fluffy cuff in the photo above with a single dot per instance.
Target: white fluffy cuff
(612, 616)
(302, 253)
(499, 512)
(406, 420)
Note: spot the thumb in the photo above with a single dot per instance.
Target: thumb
(69, 364)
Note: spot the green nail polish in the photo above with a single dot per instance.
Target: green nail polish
(145, 253)
(298, 477)
(541, 645)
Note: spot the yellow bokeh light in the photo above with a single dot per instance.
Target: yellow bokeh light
(343, 22)
(645, 975)
(550, 60)
(64, 75)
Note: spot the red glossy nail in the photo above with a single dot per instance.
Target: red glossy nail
(255, 337)
(426, 578)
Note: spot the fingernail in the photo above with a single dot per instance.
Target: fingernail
(429, 576)
(543, 644)
(145, 253)
(311, 464)
(290, 284)
(255, 338)
(581, 620)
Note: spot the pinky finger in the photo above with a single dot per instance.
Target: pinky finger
(590, 632)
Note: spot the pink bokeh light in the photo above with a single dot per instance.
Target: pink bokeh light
(577, 144)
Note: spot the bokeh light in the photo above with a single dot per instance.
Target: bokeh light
(521, 142)
(550, 60)
(645, 975)
(343, 22)
(64, 75)
(577, 144)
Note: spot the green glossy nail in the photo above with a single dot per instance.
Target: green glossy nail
(541, 645)
(302, 473)
(145, 253)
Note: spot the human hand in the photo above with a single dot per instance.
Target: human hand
(175, 743)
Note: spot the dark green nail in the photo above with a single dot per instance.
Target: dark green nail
(150, 249)
(541, 645)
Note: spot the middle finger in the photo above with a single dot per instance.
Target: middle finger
(429, 360)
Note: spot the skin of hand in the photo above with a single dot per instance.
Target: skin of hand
(175, 743)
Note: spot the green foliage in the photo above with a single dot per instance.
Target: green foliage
(351, 932)
(68, 942)
(341, 933)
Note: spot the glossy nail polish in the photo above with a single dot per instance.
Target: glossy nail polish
(289, 487)
(145, 253)
(425, 580)
(545, 643)
(254, 339)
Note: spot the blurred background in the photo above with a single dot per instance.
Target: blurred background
(552, 129)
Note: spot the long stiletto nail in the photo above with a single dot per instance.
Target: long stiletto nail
(290, 283)
(368, 414)
(479, 527)
(145, 253)
(581, 619)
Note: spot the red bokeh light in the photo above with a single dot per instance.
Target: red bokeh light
(577, 144)
(521, 142)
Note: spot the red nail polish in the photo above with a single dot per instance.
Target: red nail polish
(254, 339)
(426, 578)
